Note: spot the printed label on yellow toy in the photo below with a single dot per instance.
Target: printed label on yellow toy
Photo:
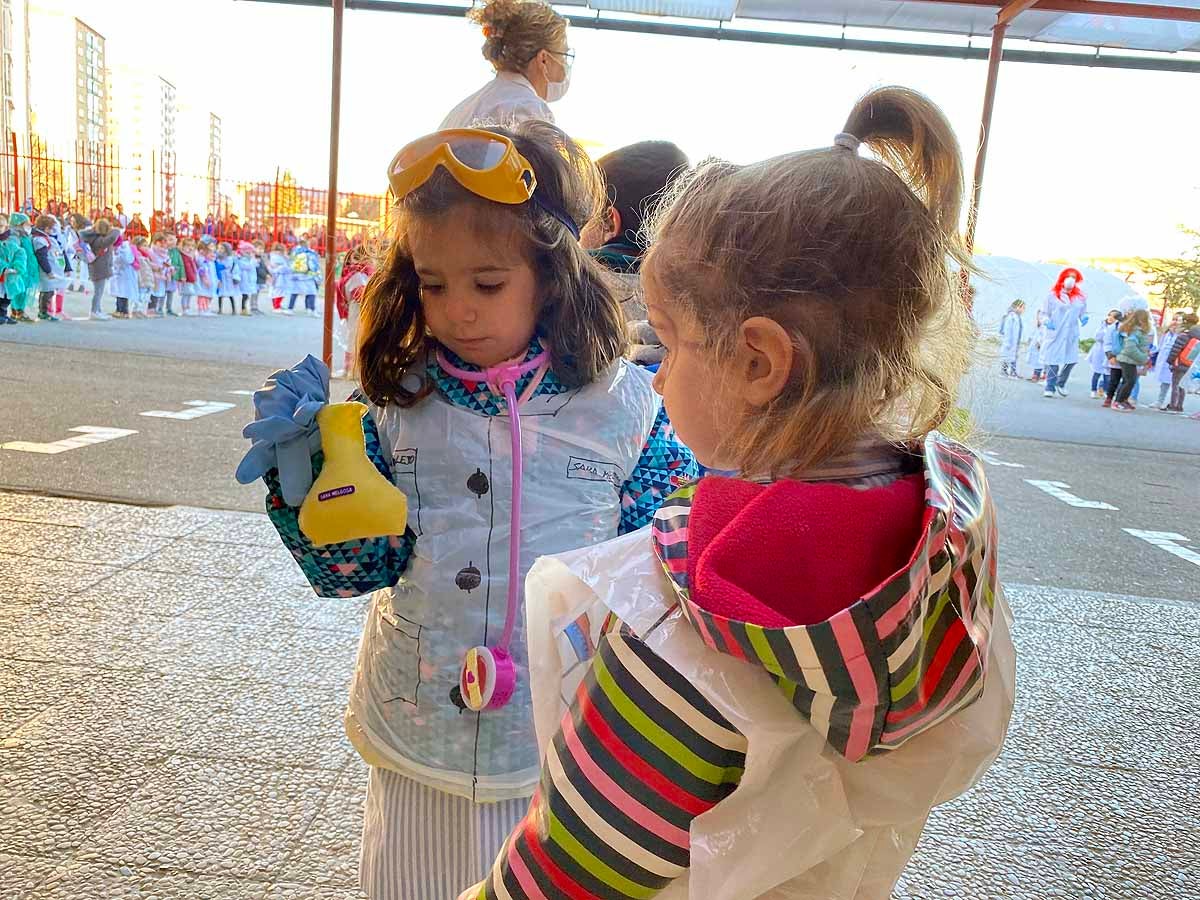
(368, 505)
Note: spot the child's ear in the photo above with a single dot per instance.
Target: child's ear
(766, 357)
(613, 224)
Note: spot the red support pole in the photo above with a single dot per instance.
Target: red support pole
(276, 204)
(16, 178)
(335, 117)
(985, 128)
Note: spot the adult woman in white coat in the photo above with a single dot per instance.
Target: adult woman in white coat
(1065, 312)
(526, 43)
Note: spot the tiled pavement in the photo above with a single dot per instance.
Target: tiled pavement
(171, 694)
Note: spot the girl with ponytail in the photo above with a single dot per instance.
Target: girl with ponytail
(764, 695)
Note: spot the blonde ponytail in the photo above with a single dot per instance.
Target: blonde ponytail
(851, 255)
(912, 136)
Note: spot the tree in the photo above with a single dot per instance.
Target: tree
(1178, 279)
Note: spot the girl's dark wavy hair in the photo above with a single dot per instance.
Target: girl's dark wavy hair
(579, 319)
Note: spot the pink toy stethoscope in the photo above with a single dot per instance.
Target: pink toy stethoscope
(489, 676)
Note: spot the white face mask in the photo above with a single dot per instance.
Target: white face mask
(1069, 282)
(556, 90)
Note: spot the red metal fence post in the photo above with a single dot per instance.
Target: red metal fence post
(16, 178)
(335, 117)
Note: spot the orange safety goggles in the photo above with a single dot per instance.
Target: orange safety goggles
(486, 164)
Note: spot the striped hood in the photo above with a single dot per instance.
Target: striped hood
(871, 609)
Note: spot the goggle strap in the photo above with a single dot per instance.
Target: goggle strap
(556, 212)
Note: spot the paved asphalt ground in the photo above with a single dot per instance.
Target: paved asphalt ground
(106, 374)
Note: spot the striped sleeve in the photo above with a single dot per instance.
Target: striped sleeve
(637, 757)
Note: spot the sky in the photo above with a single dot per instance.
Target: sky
(1082, 163)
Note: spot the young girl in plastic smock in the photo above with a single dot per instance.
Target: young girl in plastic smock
(485, 300)
(768, 691)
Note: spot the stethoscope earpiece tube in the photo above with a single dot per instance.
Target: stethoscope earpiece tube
(488, 676)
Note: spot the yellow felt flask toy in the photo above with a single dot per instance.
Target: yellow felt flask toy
(350, 500)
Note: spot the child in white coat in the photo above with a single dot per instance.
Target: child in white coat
(207, 285)
(277, 267)
(247, 269)
(1098, 355)
(1034, 356)
(448, 777)
(1162, 361)
(125, 277)
(1012, 328)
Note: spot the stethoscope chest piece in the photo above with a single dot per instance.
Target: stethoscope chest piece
(488, 678)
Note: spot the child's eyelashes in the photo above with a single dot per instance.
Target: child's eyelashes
(435, 289)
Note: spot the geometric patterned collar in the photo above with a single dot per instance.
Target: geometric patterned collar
(476, 396)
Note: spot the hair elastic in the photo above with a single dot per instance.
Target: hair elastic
(846, 141)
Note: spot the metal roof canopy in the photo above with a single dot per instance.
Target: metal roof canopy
(1130, 25)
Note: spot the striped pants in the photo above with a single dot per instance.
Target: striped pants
(423, 844)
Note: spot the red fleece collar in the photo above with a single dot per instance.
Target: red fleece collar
(796, 553)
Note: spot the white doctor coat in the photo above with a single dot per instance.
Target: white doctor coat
(507, 99)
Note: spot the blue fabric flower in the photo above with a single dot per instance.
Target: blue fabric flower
(284, 432)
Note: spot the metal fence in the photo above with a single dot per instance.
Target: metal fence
(154, 194)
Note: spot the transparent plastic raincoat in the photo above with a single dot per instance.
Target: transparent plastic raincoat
(706, 756)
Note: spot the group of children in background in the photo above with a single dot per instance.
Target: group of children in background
(43, 259)
(1126, 346)
(33, 266)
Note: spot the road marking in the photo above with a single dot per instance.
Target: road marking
(88, 434)
(1058, 490)
(242, 393)
(992, 460)
(1167, 540)
(198, 408)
